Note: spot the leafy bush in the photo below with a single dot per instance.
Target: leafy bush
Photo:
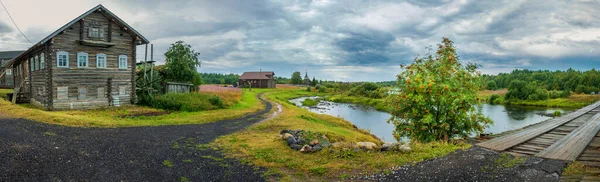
(437, 98)
(308, 89)
(557, 113)
(493, 98)
(187, 102)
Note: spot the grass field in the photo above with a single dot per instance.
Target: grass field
(132, 115)
(261, 145)
(573, 101)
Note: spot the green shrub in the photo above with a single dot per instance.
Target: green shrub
(308, 89)
(216, 101)
(493, 98)
(557, 113)
(187, 102)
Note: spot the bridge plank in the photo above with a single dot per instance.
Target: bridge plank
(507, 141)
(572, 145)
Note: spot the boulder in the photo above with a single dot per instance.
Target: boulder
(286, 135)
(317, 147)
(306, 148)
(296, 146)
(314, 142)
(366, 145)
(404, 148)
(387, 146)
(291, 140)
(325, 143)
(300, 141)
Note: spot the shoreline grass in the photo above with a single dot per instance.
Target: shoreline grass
(112, 117)
(261, 145)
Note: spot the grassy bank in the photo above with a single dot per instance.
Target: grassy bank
(131, 115)
(378, 104)
(261, 145)
(573, 101)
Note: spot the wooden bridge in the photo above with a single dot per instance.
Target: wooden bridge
(564, 138)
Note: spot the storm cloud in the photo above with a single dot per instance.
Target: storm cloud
(347, 40)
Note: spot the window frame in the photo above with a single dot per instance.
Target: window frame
(87, 59)
(36, 64)
(125, 63)
(98, 63)
(62, 53)
(8, 71)
(42, 65)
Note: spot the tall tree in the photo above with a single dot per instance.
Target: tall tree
(296, 78)
(314, 82)
(181, 64)
(437, 98)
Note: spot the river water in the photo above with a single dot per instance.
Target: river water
(505, 117)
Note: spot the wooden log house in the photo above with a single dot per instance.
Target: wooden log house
(261, 79)
(6, 76)
(87, 63)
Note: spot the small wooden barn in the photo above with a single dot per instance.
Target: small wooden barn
(260, 79)
(6, 79)
(87, 63)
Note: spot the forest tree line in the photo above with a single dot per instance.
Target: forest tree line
(526, 84)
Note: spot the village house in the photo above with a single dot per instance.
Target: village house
(262, 79)
(6, 80)
(87, 63)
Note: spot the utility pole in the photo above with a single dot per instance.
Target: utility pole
(260, 78)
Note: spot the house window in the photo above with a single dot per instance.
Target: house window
(122, 90)
(82, 60)
(8, 72)
(42, 61)
(101, 60)
(82, 93)
(62, 93)
(36, 63)
(62, 59)
(95, 31)
(101, 93)
(123, 62)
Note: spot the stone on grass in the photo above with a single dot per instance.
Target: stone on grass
(306, 149)
(286, 135)
(366, 145)
(291, 140)
(300, 141)
(404, 148)
(314, 142)
(317, 147)
(295, 146)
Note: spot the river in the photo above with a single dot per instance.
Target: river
(505, 117)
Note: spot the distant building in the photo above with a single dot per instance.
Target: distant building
(306, 79)
(6, 81)
(261, 79)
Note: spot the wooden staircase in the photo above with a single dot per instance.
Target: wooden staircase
(17, 94)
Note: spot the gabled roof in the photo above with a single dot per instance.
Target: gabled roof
(262, 75)
(10, 54)
(105, 11)
(144, 40)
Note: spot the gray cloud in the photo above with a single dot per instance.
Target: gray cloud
(5, 28)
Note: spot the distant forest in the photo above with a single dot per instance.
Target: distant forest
(230, 79)
(572, 80)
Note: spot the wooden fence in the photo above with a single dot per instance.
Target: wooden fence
(174, 87)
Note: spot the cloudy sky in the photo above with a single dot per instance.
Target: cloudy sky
(340, 40)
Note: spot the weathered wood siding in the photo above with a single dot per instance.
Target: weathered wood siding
(83, 84)
(178, 87)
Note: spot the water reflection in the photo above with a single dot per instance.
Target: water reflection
(505, 117)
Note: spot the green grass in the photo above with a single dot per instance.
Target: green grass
(260, 144)
(577, 168)
(310, 102)
(378, 104)
(168, 163)
(573, 101)
(508, 161)
(114, 116)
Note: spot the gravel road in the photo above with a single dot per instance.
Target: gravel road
(34, 151)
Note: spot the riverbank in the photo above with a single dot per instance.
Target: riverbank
(573, 101)
(262, 146)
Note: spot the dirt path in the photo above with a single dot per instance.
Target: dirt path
(34, 151)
